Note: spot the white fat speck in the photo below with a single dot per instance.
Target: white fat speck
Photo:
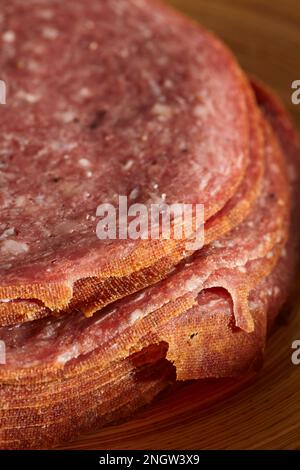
(47, 332)
(34, 66)
(29, 97)
(213, 303)
(50, 33)
(230, 243)
(204, 108)
(93, 46)
(134, 194)
(135, 316)
(270, 255)
(20, 201)
(276, 291)
(284, 253)
(201, 111)
(40, 199)
(128, 165)
(9, 36)
(204, 182)
(155, 88)
(124, 53)
(66, 117)
(98, 322)
(183, 146)
(164, 197)
(155, 186)
(84, 162)
(12, 247)
(89, 174)
(72, 353)
(188, 264)
(140, 297)
(242, 269)
(162, 111)
(217, 244)
(173, 270)
(5, 301)
(168, 84)
(239, 160)
(85, 92)
(7, 233)
(162, 60)
(192, 283)
(253, 305)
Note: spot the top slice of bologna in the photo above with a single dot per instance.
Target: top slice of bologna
(108, 98)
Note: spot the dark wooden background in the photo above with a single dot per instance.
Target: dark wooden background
(265, 36)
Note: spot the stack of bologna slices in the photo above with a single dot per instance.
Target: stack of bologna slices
(127, 97)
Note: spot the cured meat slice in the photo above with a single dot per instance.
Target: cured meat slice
(215, 266)
(92, 294)
(174, 108)
(62, 364)
(105, 395)
(222, 358)
(283, 127)
(233, 212)
(158, 111)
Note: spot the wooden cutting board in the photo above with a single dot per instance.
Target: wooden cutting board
(255, 413)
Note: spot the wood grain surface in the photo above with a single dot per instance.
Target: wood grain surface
(255, 413)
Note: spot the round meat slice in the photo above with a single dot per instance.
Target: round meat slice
(105, 99)
(92, 294)
(241, 258)
(210, 344)
(283, 127)
(100, 363)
